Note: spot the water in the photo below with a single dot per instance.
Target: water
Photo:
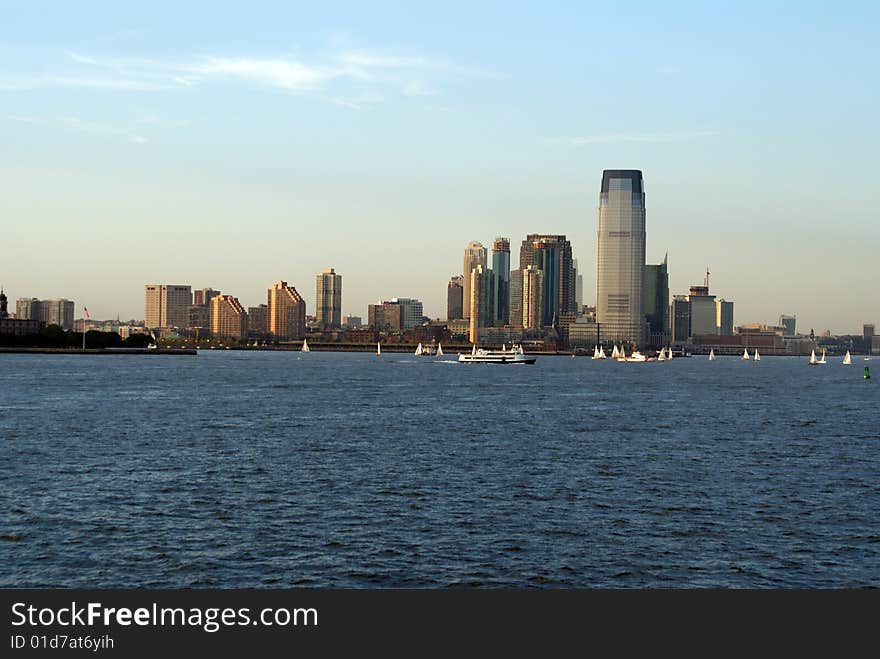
(237, 469)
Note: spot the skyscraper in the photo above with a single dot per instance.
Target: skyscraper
(455, 298)
(724, 317)
(474, 255)
(620, 262)
(501, 268)
(328, 303)
(202, 296)
(258, 319)
(578, 287)
(167, 305)
(412, 312)
(789, 325)
(482, 301)
(516, 304)
(532, 297)
(228, 317)
(656, 301)
(552, 255)
(287, 312)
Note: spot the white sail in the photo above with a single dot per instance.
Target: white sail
(757, 356)
(378, 349)
(813, 357)
(602, 352)
(439, 350)
(822, 361)
(847, 359)
(745, 356)
(305, 346)
(711, 354)
(622, 354)
(419, 349)
(615, 353)
(474, 349)
(662, 356)
(668, 353)
(596, 352)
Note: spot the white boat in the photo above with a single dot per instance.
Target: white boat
(378, 349)
(636, 356)
(813, 361)
(419, 350)
(669, 354)
(822, 361)
(602, 353)
(621, 355)
(439, 350)
(711, 354)
(482, 356)
(305, 347)
(662, 356)
(847, 359)
(598, 353)
(615, 353)
(745, 356)
(757, 356)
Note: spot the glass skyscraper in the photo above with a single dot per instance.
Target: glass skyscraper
(620, 260)
(501, 268)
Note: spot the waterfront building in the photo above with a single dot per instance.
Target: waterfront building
(516, 305)
(532, 297)
(789, 323)
(482, 301)
(620, 261)
(703, 312)
(48, 312)
(474, 255)
(680, 317)
(286, 312)
(27, 308)
(258, 320)
(551, 254)
(501, 270)
(202, 296)
(724, 317)
(228, 317)
(412, 312)
(352, 322)
(200, 316)
(455, 298)
(385, 316)
(328, 304)
(167, 305)
(656, 302)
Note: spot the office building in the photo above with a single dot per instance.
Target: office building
(703, 313)
(455, 298)
(228, 317)
(620, 261)
(167, 305)
(789, 325)
(286, 312)
(385, 316)
(202, 296)
(200, 317)
(474, 255)
(724, 317)
(482, 301)
(656, 302)
(328, 304)
(680, 317)
(532, 297)
(49, 312)
(258, 320)
(516, 306)
(412, 312)
(501, 270)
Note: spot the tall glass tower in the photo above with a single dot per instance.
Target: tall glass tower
(501, 268)
(620, 260)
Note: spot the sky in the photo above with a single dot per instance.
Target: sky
(230, 145)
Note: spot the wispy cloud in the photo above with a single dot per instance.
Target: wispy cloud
(106, 130)
(644, 137)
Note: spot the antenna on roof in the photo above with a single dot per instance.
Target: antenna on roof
(707, 276)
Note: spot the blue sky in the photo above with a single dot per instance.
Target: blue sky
(231, 144)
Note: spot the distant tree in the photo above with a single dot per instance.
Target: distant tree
(137, 341)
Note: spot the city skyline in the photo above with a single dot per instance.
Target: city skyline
(285, 141)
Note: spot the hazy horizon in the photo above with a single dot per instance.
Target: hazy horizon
(196, 145)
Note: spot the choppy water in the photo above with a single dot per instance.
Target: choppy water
(240, 469)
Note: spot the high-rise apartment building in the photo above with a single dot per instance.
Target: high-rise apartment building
(228, 317)
(482, 301)
(533, 289)
(50, 312)
(620, 261)
(167, 305)
(385, 316)
(724, 317)
(474, 254)
(286, 312)
(28, 308)
(516, 298)
(501, 270)
(455, 298)
(258, 319)
(328, 296)
(552, 255)
(680, 317)
(656, 301)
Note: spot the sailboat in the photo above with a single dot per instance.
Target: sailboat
(669, 353)
(662, 356)
(847, 359)
(305, 347)
(745, 356)
(711, 354)
(757, 356)
(621, 356)
(813, 361)
(822, 361)
(602, 353)
(439, 352)
(615, 353)
(598, 353)
(419, 350)
(379, 349)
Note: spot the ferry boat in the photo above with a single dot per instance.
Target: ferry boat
(482, 356)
